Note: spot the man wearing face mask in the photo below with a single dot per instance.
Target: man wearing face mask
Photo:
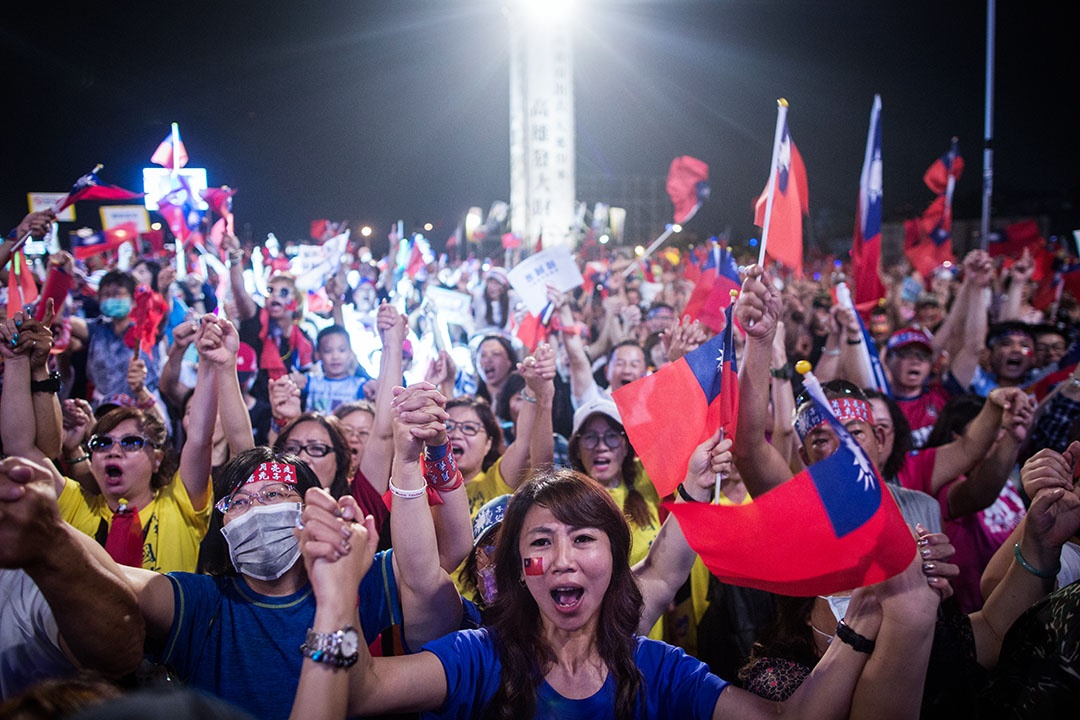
(108, 356)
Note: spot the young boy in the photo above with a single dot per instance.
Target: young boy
(336, 383)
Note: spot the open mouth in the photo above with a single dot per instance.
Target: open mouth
(601, 463)
(458, 452)
(1014, 364)
(113, 472)
(567, 598)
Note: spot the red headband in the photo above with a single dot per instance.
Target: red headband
(277, 472)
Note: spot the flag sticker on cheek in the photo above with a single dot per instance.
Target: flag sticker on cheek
(533, 565)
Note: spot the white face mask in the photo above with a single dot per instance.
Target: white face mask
(838, 604)
(261, 541)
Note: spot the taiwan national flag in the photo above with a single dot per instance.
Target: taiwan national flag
(928, 239)
(790, 203)
(829, 529)
(712, 293)
(671, 412)
(89, 187)
(105, 241)
(687, 186)
(171, 153)
(220, 201)
(180, 210)
(866, 247)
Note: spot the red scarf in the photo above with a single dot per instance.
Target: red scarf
(125, 542)
(270, 360)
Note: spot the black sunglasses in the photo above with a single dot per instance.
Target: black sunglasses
(128, 443)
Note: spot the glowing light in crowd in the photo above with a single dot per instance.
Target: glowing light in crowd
(753, 242)
(604, 239)
(548, 11)
(155, 226)
(676, 228)
(638, 250)
(366, 231)
(428, 227)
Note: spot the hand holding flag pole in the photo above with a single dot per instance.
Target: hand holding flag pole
(660, 240)
(56, 208)
(781, 120)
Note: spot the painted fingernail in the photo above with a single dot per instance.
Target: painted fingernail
(345, 547)
(923, 542)
(928, 567)
(926, 553)
(346, 531)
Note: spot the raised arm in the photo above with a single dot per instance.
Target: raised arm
(95, 611)
(17, 423)
(379, 451)
(539, 377)
(665, 568)
(1012, 308)
(36, 337)
(245, 306)
(235, 418)
(758, 310)
(169, 383)
(430, 604)
(196, 458)
(581, 378)
(783, 400)
(979, 273)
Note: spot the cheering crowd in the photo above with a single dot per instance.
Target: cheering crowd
(319, 510)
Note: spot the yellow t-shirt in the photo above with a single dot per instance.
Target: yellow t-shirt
(642, 536)
(486, 486)
(172, 528)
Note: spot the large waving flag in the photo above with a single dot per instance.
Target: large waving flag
(671, 412)
(180, 210)
(687, 185)
(830, 528)
(90, 187)
(866, 246)
(171, 153)
(712, 293)
(790, 203)
(928, 239)
(105, 241)
(220, 201)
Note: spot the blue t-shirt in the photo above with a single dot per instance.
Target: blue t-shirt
(675, 685)
(324, 394)
(244, 647)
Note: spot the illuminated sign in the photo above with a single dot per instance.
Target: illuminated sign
(157, 182)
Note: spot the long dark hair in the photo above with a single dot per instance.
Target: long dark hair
(342, 452)
(504, 306)
(151, 426)
(634, 506)
(579, 501)
(953, 418)
(487, 419)
(214, 551)
(901, 433)
(481, 385)
(788, 635)
(513, 385)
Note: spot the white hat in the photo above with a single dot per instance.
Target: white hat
(603, 406)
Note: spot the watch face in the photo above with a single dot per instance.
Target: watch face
(350, 642)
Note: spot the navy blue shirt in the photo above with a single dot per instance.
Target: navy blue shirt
(244, 647)
(676, 685)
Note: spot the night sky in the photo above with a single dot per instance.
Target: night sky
(372, 111)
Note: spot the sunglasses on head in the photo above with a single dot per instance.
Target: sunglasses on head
(836, 386)
(128, 443)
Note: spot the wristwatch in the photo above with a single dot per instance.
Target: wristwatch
(52, 385)
(339, 649)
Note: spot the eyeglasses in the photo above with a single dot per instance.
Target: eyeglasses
(128, 443)
(353, 434)
(1049, 347)
(842, 387)
(282, 292)
(592, 440)
(468, 429)
(241, 501)
(910, 353)
(315, 450)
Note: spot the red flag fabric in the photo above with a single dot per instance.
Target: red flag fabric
(57, 287)
(534, 329)
(106, 241)
(831, 528)
(1012, 241)
(22, 287)
(89, 187)
(687, 185)
(318, 229)
(146, 317)
(124, 541)
(928, 240)
(712, 293)
(510, 241)
(220, 201)
(790, 203)
(669, 413)
(164, 155)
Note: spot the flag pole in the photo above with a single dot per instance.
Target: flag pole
(181, 265)
(781, 121)
(988, 128)
(660, 241)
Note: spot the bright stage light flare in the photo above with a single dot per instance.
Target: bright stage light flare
(639, 250)
(428, 227)
(366, 231)
(676, 228)
(548, 10)
(604, 239)
(155, 226)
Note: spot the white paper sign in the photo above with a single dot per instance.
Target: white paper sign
(552, 266)
(40, 201)
(313, 264)
(116, 215)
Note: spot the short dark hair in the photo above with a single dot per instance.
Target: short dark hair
(626, 343)
(328, 331)
(214, 551)
(339, 486)
(1009, 327)
(118, 277)
(151, 426)
(901, 433)
(487, 419)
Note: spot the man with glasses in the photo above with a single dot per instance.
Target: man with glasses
(909, 356)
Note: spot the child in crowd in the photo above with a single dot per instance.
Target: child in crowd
(335, 382)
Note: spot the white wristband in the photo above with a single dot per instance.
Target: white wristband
(406, 494)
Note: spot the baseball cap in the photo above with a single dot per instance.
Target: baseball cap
(603, 406)
(911, 335)
(245, 359)
(488, 516)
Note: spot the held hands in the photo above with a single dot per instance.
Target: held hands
(978, 268)
(758, 305)
(184, 335)
(217, 341)
(1018, 416)
(1054, 515)
(935, 550)
(710, 461)
(391, 325)
(338, 546)
(22, 335)
(284, 398)
(31, 518)
(419, 417)
(538, 370)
